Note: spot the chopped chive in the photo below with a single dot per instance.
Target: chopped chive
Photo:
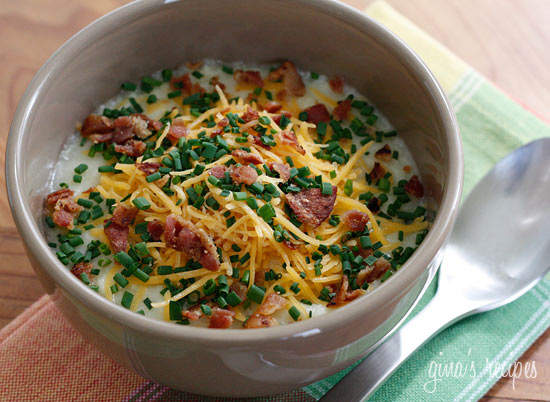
(128, 86)
(348, 187)
(233, 299)
(174, 309)
(326, 189)
(151, 99)
(166, 75)
(81, 168)
(294, 313)
(77, 178)
(127, 299)
(141, 203)
(152, 177)
(106, 169)
(142, 276)
(256, 294)
(227, 69)
(206, 309)
(50, 222)
(267, 212)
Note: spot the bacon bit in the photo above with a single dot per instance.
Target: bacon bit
(124, 129)
(336, 84)
(243, 174)
(117, 235)
(356, 220)
(374, 205)
(272, 303)
(95, 124)
(272, 106)
(218, 171)
(82, 268)
(194, 313)
(99, 138)
(250, 114)
(414, 187)
(343, 295)
(281, 94)
(177, 132)
(341, 111)
(247, 157)
(377, 172)
(371, 274)
(290, 245)
(317, 113)
(292, 80)
(64, 212)
(364, 252)
(384, 153)
(221, 318)
(155, 229)
(183, 83)
(148, 167)
(193, 65)
(216, 132)
(124, 216)
(277, 119)
(240, 289)
(182, 235)
(282, 168)
(248, 77)
(254, 139)
(215, 80)
(289, 138)
(52, 198)
(311, 206)
(223, 122)
(260, 321)
(407, 169)
(152, 124)
(131, 148)
(123, 122)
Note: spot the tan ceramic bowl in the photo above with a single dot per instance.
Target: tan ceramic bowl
(318, 35)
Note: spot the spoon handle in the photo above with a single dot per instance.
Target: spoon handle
(364, 379)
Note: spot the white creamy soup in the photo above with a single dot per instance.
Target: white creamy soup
(235, 196)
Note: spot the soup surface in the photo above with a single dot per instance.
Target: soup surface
(233, 195)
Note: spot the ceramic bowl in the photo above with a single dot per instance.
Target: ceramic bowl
(317, 35)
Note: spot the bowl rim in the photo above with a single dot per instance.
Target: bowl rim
(36, 245)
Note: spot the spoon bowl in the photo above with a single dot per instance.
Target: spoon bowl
(499, 249)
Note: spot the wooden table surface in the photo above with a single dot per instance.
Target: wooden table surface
(507, 41)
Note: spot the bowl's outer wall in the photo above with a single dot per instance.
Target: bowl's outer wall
(147, 36)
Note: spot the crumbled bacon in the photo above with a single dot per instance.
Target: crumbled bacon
(407, 168)
(290, 245)
(356, 220)
(371, 274)
(82, 268)
(281, 94)
(193, 65)
(272, 303)
(183, 235)
(374, 205)
(282, 168)
(248, 77)
(183, 83)
(342, 110)
(250, 114)
(148, 167)
(215, 80)
(218, 171)
(272, 106)
(291, 78)
(131, 148)
(260, 321)
(277, 119)
(377, 172)
(152, 124)
(215, 132)
(289, 138)
(243, 174)
(155, 229)
(64, 212)
(247, 157)
(221, 318)
(99, 138)
(194, 313)
(336, 84)
(317, 113)
(117, 235)
(414, 187)
(343, 295)
(52, 198)
(311, 206)
(124, 130)
(176, 132)
(223, 122)
(95, 124)
(124, 216)
(383, 154)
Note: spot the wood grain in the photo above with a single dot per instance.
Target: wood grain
(507, 41)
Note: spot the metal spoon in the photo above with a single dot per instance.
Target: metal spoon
(498, 250)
